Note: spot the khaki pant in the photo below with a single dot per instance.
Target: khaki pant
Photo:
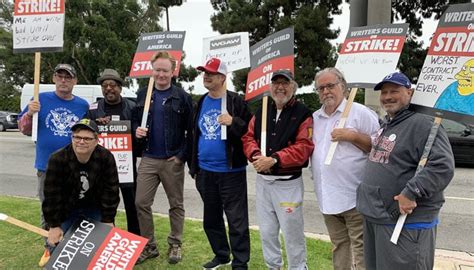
(346, 233)
(151, 173)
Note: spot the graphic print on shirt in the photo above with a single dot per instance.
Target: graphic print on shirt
(383, 146)
(84, 184)
(209, 126)
(60, 121)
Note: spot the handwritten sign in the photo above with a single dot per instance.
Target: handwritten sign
(38, 26)
(117, 138)
(371, 52)
(445, 86)
(149, 44)
(233, 49)
(270, 54)
(89, 244)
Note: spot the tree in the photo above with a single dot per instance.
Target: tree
(98, 34)
(311, 20)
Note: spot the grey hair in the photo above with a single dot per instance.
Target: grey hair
(336, 72)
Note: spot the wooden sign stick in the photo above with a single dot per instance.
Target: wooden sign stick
(23, 225)
(342, 122)
(263, 136)
(224, 111)
(34, 129)
(424, 159)
(146, 109)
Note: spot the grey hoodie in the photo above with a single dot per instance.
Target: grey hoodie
(391, 170)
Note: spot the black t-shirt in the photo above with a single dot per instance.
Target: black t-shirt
(115, 109)
(85, 199)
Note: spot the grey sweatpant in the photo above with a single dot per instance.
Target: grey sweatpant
(280, 205)
(414, 250)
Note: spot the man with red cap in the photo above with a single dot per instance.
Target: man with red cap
(218, 165)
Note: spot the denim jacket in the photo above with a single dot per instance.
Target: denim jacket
(177, 122)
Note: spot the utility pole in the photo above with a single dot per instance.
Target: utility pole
(370, 12)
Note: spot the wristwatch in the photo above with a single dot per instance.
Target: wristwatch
(275, 161)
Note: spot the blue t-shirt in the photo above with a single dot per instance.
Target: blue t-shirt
(55, 119)
(157, 138)
(451, 100)
(211, 149)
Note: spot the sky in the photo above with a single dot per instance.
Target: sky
(198, 26)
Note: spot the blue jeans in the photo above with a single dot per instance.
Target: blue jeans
(76, 214)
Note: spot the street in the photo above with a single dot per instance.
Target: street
(455, 232)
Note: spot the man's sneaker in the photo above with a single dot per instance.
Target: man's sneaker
(174, 253)
(146, 254)
(214, 264)
(44, 259)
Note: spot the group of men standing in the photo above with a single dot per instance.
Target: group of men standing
(370, 181)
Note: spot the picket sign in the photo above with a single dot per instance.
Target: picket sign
(34, 131)
(263, 136)
(147, 102)
(23, 225)
(421, 165)
(342, 122)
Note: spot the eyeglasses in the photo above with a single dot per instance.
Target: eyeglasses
(282, 83)
(329, 86)
(111, 85)
(61, 77)
(77, 139)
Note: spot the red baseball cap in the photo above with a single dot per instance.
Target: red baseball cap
(214, 65)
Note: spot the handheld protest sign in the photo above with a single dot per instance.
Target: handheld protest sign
(233, 50)
(89, 244)
(421, 164)
(38, 26)
(23, 225)
(273, 53)
(148, 45)
(445, 86)
(266, 56)
(367, 54)
(446, 83)
(370, 52)
(116, 136)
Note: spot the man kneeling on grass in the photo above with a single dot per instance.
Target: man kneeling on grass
(81, 181)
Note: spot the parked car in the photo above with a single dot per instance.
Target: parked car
(461, 138)
(8, 120)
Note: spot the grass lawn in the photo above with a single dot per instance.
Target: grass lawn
(21, 249)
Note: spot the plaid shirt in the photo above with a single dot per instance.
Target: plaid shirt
(63, 185)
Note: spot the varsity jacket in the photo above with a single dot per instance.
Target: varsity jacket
(288, 138)
(62, 185)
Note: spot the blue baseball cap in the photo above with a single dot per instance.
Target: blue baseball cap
(396, 78)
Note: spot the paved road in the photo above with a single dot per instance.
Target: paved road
(17, 177)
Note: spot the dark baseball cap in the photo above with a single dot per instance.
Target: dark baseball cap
(70, 69)
(396, 78)
(86, 123)
(282, 73)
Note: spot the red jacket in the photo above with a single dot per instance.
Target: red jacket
(293, 157)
